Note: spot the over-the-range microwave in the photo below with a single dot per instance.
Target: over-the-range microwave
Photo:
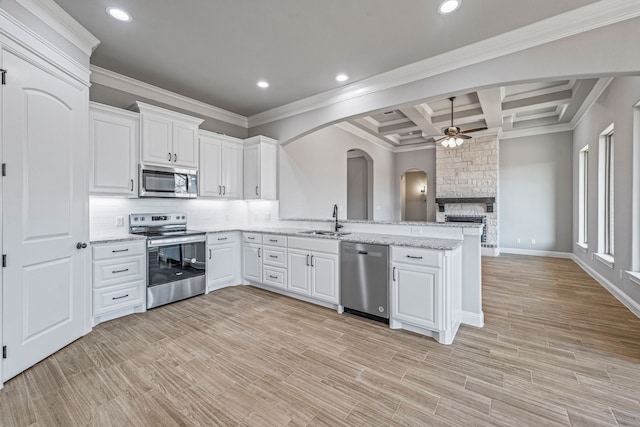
(159, 181)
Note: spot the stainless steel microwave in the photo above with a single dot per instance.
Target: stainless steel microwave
(158, 181)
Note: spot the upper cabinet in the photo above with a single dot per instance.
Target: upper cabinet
(168, 138)
(260, 168)
(220, 166)
(113, 136)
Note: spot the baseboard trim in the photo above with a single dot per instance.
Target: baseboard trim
(489, 251)
(472, 319)
(625, 299)
(533, 252)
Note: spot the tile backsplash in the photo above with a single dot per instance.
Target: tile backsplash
(201, 213)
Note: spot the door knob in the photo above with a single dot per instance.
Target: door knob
(81, 245)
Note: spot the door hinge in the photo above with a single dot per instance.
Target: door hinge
(4, 260)
(4, 169)
(4, 351)
(4, 76)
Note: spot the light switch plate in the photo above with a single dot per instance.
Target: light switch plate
(120, 221)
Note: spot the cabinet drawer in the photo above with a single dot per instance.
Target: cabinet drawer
(221, 238)
(416, 256)
(252, 237)
(115, 250)
(274, 256)
(274, 276)
(117, 297)
(274, 240)
(112, 272)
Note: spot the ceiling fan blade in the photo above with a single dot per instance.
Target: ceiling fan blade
(473, 130)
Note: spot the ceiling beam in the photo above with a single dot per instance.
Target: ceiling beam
(398, 128)
(491, 104)
(367, 128)
(541, 101)
(420, 117)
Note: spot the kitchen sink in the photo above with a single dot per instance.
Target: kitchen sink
(324, 233)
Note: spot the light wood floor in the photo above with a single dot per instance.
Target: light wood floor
(557, 349)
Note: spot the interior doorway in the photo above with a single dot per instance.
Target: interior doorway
(359, 185)
(413, 195)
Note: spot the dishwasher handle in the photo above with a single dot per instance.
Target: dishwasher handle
(363, 253)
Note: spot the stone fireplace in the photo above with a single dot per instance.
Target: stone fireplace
(467, 186)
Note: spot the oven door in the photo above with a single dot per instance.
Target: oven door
(157, 181)
(175, 271)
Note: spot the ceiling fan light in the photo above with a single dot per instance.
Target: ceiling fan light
(459, 141)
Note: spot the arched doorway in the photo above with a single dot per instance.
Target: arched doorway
(413, 194)
(359, 185)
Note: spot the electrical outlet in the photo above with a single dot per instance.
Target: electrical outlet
(518, 240)
(416, 230)
(120, 221)
(621, 274)
(533, 241)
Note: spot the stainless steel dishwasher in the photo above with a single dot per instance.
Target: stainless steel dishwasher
(364, 280)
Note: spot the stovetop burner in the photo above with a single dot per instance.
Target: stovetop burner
(158, 226)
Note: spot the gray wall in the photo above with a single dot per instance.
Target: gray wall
(357, 188)
(535, 192)
(424, 160)
(120, 99)
(416, 206)
(616, 105)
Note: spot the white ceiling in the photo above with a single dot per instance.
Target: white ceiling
(216, 51)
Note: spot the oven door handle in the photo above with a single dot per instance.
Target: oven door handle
(175, 241)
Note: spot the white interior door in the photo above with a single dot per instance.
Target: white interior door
(45, 214)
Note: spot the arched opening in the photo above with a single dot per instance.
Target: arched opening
(413, 195)
(359, 185)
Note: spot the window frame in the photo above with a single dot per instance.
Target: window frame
(606, 200)
(583, 198)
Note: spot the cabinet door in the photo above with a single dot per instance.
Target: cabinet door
(113, 143)
(232, 171)
(252, 172)
(185, 145)
(209, 184)
(298, 272)
(415, 293)
(252, 262)
(324, 277)
(220, 265)
(156, 140)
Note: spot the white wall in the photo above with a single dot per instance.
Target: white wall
(616, 105)
(424, 160)
(357, 188)
(313, 175)
(535, 192)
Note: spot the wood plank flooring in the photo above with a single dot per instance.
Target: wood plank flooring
(557, 349)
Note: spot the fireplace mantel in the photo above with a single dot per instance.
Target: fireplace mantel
(489, 201)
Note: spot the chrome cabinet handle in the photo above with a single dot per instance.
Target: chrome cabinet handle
(169, 157)
(123, 296)
(209, 253)
(273, 256)
(224, 190)
(273, 277)
(175, 157)
(119, 271)
(257, 191)
(81, 245)
(222, 238)
(259, 252)
(119, 250)
(312, 261)
(132, 185)
(414, 257)
(307, 259)
(273, 240)
(219, 190)
(394, 274)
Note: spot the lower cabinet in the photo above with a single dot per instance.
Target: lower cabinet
(252, 257)
(222, 261)
(119, 272)
(313, 273)
(425, 291)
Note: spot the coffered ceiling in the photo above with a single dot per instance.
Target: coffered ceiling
(516, 110)
(216, 51)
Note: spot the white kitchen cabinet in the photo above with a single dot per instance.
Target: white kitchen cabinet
(313, 268)
(425, 292)
(260, 168)
(222, 260)
(113, 147)
(221, 166)
(252, 257)
(168, 138)
(119, 279)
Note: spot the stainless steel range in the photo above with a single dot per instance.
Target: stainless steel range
(176, 257)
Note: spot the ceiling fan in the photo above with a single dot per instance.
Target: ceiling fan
(453, 137)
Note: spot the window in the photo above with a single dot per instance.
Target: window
(606, 243)
(583, 197)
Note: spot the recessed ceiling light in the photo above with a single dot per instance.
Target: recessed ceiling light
(448, 6)
(119, 14)
(263, 84)
(342, 77)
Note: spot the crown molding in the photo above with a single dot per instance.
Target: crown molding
(598, 89)
(348, 127)
(587, 18)
(117, 81)
(62, 23)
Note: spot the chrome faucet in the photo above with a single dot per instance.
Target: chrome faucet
(335, 215)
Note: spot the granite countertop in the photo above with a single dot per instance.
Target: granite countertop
(364, 221)
(97, 239)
